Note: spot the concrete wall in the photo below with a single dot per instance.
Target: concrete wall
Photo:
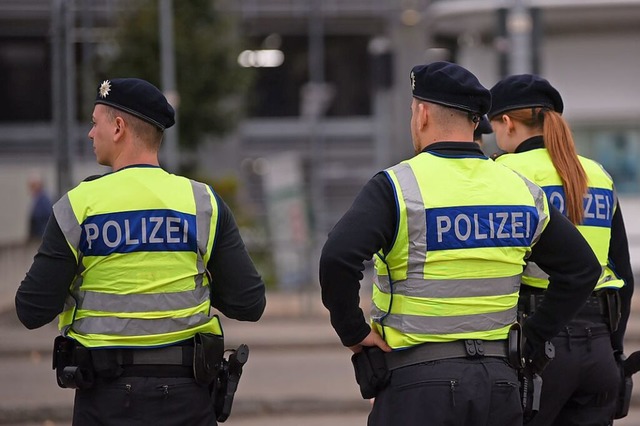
(595, 73)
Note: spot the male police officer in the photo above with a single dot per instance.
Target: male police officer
(450, 230)
(133, 261)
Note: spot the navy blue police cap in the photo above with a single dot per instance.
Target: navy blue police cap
(484, 128)
(137, 97)
(450, 85)
(524, 91)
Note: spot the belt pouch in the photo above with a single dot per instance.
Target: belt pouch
(62, 352)
(371, 371)
(72, 363)
(208, 351)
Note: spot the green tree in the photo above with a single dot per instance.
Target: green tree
(209, 80)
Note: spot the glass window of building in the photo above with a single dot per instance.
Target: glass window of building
(25, 80)
(277, 91)
(618, 150)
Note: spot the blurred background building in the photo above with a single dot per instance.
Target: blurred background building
(328, 104)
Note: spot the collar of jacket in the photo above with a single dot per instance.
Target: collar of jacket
(534, 142)
(454, 148)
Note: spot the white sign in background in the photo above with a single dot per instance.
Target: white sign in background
(283, 182)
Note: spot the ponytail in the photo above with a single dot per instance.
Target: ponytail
(562, 150)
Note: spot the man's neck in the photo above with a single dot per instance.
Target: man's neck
(125, 161)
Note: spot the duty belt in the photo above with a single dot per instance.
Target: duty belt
(434, 351)
(177, 355)
(170, 355)
(532, 297)
(170, 361)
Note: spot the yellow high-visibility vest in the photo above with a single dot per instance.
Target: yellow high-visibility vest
(142, 238)
(599, 206)
(465, 227)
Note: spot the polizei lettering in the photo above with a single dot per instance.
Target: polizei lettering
(480, 226)
(144, 230)
(598, 204)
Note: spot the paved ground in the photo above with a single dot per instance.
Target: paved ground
(298, 373)
(297, 370)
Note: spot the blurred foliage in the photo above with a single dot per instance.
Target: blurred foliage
(253, 234)
(210, 84)
(208, 79)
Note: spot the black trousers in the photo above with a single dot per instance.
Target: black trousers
(580, 386)
(144, 401)
(454, 392)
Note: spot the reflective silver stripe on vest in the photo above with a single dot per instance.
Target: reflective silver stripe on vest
(72, 231)
(533, 270)
(416, 223)
(106, 302)
(204, 211)
(67, 221)
(470, 287)
(415, 324)
(136, 326)
(537, 194)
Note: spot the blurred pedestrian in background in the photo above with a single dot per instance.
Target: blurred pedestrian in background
(450, 231)
(581, 383)
(40, 207)
(132, 262)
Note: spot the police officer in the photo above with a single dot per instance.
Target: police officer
(580, 385)
(450, 231)
(132, 262)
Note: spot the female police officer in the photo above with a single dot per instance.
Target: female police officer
(580, 385)
(132, 261)
(450, 230)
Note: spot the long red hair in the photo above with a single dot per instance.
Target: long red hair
(559, 143)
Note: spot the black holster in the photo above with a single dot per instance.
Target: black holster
(208, 351)
(624, 391)
(532, 366)
(72, 363)
(515, 341)
(530, 393)
(371, 371)
(613, 308)
(224, 387)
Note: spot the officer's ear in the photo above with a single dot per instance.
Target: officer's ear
(422, 115)
(119, 126)
(508, 122)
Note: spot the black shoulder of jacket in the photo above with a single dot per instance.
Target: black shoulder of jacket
(92, 177)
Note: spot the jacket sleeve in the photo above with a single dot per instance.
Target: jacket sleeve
(620, 262)
(367, 227)
(573, 271)
(237, 289)
(42, 293)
